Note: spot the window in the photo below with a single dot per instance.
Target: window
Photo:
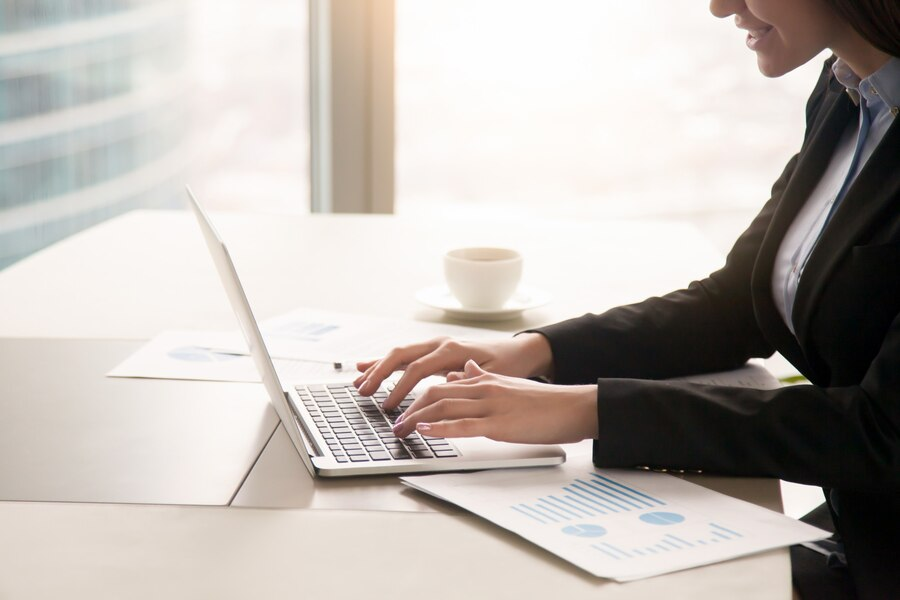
(110, 105)
(579, 108)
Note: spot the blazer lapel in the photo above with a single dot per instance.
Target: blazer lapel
(812, 162)
(875, 191)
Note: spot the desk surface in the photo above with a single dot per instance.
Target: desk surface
(148, 271)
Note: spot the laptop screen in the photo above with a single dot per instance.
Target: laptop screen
(256, 344)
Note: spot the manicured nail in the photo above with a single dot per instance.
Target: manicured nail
(400, 418)
(423, 427)
(363, 388)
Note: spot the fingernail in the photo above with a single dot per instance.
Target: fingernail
(400, 418)
(363, 387)
(424, 427)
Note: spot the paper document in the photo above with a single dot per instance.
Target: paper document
(305, 333)
(306, 346)
(618, 524)
(193, 355)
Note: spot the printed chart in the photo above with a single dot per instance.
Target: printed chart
(622, 525)
(594, 496)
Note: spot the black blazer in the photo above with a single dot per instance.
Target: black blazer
(841, 432)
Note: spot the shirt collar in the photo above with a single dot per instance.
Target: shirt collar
(880, 88)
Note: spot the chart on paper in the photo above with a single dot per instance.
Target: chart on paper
(596, 496)
(618, 524)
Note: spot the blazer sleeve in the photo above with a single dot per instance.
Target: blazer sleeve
(839, 437)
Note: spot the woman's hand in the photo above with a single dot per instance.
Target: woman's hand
(508, 409)
(525, 355)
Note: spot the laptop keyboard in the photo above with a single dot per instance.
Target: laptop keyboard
(357, 430)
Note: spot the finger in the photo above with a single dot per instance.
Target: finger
(394, 360)
(444, 409)
(440, 392)
(455, 376)
(455, 428)
(472, 369)
(363, 365)
(433, 363)
(365, 368)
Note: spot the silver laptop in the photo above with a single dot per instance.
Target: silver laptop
(336, 431)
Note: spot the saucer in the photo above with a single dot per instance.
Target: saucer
(523, 299)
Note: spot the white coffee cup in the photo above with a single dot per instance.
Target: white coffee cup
(482, 278)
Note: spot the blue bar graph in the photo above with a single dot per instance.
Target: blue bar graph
(672, 543)
(598, 506)
(590, 496)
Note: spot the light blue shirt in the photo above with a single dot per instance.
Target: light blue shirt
(881, 94)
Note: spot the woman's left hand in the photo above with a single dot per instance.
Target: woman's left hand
(508, 409)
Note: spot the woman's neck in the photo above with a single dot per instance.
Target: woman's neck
(861, 56)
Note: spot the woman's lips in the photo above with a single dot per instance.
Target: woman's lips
(756, 36)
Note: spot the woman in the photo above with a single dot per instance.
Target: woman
(816, 277)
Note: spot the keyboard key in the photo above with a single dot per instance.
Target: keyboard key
(421, 453)
(445, 453)
(341, 459)
(380, 456)
(400, 454)
(360, 458)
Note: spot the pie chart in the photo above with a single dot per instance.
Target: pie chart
(585, 531)
(662, 518)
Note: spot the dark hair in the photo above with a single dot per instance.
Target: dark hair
(878, 21)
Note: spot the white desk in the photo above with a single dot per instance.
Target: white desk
(148, 271)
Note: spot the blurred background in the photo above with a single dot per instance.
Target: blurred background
(587, 109)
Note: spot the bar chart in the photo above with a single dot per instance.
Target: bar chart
(596, 506)
(668, 542)
(592, 495)
(618, 524)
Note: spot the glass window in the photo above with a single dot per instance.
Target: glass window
(111, 105)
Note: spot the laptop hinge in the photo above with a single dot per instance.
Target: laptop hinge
(308, 438)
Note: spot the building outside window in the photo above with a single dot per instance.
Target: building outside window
(92, 114)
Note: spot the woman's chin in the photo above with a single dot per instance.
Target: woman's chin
(773, 68)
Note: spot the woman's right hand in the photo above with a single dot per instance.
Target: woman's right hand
(525, 355)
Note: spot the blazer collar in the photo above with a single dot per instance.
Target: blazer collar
(814, 157)
(875, 191)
